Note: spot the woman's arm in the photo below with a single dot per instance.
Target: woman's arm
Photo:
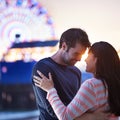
(97, 115)
(82, 102)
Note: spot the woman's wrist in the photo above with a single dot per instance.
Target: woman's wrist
(51, 89)
(51, 92)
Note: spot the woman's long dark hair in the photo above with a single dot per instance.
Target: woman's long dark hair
(108, 70)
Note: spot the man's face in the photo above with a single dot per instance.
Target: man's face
(73, 55)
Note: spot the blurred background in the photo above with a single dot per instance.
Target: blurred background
(30, 30)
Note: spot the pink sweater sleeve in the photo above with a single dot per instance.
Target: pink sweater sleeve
(84, 100)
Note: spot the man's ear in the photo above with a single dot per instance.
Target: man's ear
(64, 46)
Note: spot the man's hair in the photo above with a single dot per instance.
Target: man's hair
(73, 36)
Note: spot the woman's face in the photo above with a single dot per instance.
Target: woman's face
(91, 63)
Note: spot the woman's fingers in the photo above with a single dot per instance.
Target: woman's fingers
(37, 81)
(43, 82)
(37, 78)
(50, 76)
(38, 85)
(41, 75)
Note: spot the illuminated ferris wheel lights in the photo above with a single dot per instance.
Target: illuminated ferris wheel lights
(42, 10)
(33, 4)
(24, 20)
(19, 2)
(50, 21)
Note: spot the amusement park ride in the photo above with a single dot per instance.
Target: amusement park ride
(26, 35)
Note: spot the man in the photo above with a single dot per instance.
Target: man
(67, 77)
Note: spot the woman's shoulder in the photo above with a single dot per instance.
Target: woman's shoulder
(93, 82)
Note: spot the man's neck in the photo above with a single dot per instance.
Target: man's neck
(57, 58)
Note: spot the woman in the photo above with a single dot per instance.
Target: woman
(100, 91)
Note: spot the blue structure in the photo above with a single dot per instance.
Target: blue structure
(15, 80)
(86, 75)
(18, 72)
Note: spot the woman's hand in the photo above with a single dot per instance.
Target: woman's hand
(43, 82)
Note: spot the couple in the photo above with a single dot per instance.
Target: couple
(61, 83)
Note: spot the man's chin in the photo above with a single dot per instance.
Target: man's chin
(72, 64)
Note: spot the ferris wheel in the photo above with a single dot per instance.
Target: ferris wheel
(24, 21)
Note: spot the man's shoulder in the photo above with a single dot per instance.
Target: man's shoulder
(43, 61)
(45, 64)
